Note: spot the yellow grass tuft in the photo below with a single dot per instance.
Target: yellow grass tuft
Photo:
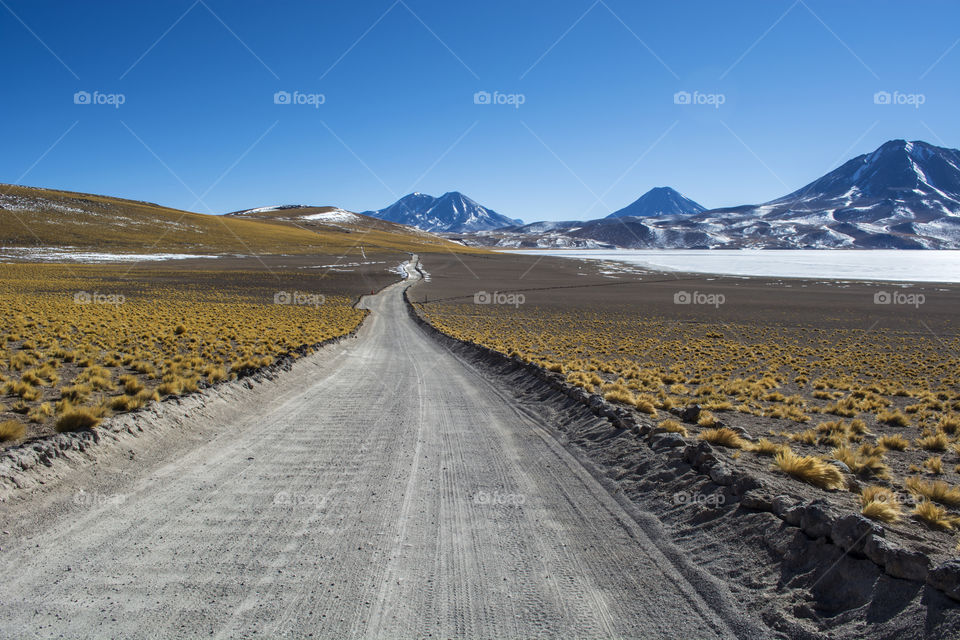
(935, 516)
(809, 469)
(879, 503)
(623, 396)
(936, 490)
(672, 426)
(707, 419)
(934, 442)
(894, 418)
(934, 464)
(765, 447)
(864, 461)
(894, 442)
(79, 419)
(724, 437)
(12, 430)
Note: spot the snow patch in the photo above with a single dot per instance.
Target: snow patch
(337, 215)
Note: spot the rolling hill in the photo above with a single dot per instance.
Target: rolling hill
(44, 218)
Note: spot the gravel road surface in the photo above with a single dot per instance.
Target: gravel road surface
(390, 491)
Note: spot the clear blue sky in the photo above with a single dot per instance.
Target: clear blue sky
(598, 125)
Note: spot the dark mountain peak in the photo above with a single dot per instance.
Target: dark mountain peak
(453, 211)
(659, 201)
(896, 170)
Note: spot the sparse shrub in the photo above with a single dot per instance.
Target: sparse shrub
(894, 442)
(935, 516)
(935, 490)
(672, 426)
(934, 442)
(623, 396)
(12, 430)
(40, 412)
(934, 464)
(131, 385)
(949, 425)
(862, 462)
(724, 437)
(215, 374)
(132, 402)
(809, 469)
(879, 503)
(645, 404)
(171, 388)
(707, 419)
(859, 427)
(79, 419)
(765, 447)
(804, 437)
(75, 393)
(893, 418)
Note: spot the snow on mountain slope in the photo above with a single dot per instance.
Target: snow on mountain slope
(903, 195)
(452, 211)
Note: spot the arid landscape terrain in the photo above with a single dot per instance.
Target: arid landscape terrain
(725, 416)
(580, 319)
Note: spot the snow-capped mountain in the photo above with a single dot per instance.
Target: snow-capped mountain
(904, 195)
(659, 201)
(452, 211)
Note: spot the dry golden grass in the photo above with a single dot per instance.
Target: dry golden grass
(622, 396)
(934, 464)
(934, 442)
(809, 469)
(58, 355)
(645, 405)
(765, 447)
(935, 516)
(863, 461)
(880, 503)
(895, 442)
(672, 426)
(724, 437)
(12, 430)
(78, 419)
(936, 490)
(706, 419)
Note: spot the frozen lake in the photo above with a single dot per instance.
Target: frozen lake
(835, 264)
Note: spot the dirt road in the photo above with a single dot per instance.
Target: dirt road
(390, 491)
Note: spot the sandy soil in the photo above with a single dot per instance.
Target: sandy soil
(382, 488)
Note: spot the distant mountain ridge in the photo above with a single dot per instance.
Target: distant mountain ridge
(659, 201)
(452, 211)
(903, 195)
